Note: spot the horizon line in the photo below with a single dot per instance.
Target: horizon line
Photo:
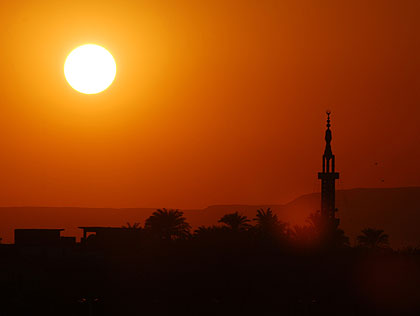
(209, 205)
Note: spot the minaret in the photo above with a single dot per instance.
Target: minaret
(328, 177)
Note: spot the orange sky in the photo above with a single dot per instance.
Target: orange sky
(213, 103)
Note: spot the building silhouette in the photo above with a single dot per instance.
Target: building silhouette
(328, 177)
(38, 237)
(95, 237)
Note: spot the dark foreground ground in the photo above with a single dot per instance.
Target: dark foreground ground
(197, 279)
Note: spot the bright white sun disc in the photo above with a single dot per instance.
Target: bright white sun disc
(90, 69)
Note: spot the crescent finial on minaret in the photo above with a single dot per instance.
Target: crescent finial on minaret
(328, 135)
(328, 118)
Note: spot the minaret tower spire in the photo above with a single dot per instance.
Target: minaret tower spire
(328, 177)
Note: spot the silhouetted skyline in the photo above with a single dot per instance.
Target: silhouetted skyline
(164, 158)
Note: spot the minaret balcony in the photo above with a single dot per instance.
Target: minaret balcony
(328, 175)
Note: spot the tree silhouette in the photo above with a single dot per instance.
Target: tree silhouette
(309, 234)
(319, 233)
(268, 224)
(168, 225)
(132, 226)
(235, 221)
(373, 239)
(303, 235)
(212, 234)
(203, 231)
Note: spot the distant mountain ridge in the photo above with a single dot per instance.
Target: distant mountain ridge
(396, 210)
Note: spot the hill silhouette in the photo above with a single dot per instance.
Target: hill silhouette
(396, 210)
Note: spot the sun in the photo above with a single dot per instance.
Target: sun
(90, 69)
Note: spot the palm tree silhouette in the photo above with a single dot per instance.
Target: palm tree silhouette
(213, 234)
(317, 232)
(132, 226)
(207, 230)
(235, 221)
(168, 225)
(373, 238)
(268, 223)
